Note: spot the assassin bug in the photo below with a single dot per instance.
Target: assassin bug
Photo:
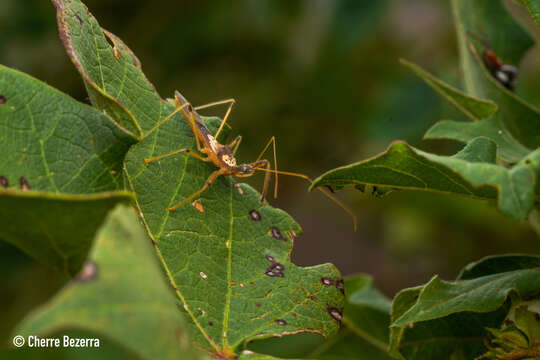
(223, 156)
(505, 74)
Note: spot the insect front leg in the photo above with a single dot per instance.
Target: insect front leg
(187, 151)
(206, 185)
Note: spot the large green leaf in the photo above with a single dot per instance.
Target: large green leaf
(120, 295)
(366, 318)
(55, 229)
(53, 145)
(54, 142)
(471, 172)
(488, 20)
(428, 321)
(112, 73)
(230, 267)
(228, 258)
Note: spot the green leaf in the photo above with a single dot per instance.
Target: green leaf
(366, 319)
(120, 295)
(471, 172)
(56, 143)
(488, 20)
(497, 264)
(428, 321)
(221, 259)
(112, 73)
(507, 147)
(473, 108)
(534, 9)
(55, 229)
(439, 298)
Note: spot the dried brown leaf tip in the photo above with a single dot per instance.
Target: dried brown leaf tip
(335, 313)
(276, 234)
(3, 100)
(4, 181)
(24, 184)
(255, 215)
(87, 273)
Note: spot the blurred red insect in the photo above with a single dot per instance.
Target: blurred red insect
(505, 74)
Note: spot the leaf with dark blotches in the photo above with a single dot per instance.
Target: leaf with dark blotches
(120, 295)
(365, 332)
(471, 172)
(111, 71)
(428, 321)
(227, 254)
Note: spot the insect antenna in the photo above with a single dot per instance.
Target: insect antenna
(325, 192)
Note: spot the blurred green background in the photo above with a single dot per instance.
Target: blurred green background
(324, 78)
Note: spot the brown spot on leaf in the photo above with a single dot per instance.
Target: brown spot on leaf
(3, 100)
(255, 215)
(275, 270)
(276, 233)
(210, 323)
(340, 286)
(239, 188)
(88, 272)
(335, 313)
(24, 184)
(281, 322)
(294, 314)
(311, 297)
(4, 181)
(327, 281)
(258, 305)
